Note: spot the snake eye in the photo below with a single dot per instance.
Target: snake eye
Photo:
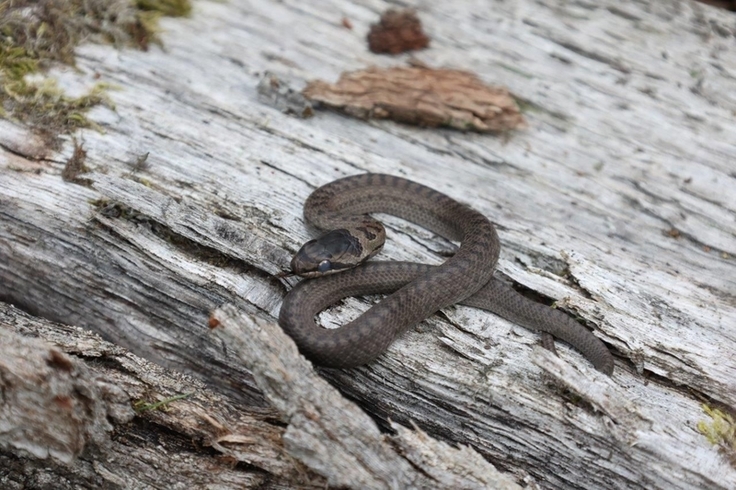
(324, 266)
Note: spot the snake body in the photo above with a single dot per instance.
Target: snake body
(416, 290)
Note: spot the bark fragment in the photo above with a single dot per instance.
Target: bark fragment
(51, 406)
(397, 31)
(421, 96)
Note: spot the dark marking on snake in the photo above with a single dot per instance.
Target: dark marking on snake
(416, 291)
(366, 233)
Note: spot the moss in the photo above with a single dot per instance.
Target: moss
(75, 165)
(142, 181)
(171, 8)
(720, 431)
(34, 34)
(42, 105)
(16, 61)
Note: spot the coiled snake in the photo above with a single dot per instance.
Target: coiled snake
(417, 290)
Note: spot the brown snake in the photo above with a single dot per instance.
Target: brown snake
(418, 290)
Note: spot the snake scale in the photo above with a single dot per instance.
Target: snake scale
(416, 291)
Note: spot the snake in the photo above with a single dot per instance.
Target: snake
(335, 265)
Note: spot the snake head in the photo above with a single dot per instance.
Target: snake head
(333, 252)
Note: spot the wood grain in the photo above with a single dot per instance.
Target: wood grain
(630, 136)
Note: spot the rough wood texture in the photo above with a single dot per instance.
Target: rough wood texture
(52, 406)
(195, 440)
(618, 202)
(332, 435)
(396, 32)
(420, 96)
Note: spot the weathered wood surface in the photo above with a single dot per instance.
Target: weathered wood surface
(618, 201)
(78, 397)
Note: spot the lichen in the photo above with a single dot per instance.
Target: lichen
(720, 431)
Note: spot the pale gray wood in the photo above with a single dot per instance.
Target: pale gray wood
(618, 201)
(64, 390)
(331, 434)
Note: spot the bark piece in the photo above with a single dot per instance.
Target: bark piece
(421, 96)
(51, 406)
(397, 31)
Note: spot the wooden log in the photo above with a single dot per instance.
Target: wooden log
(617, 203)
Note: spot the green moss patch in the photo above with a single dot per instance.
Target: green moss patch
(720, 431)
(34, 34)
